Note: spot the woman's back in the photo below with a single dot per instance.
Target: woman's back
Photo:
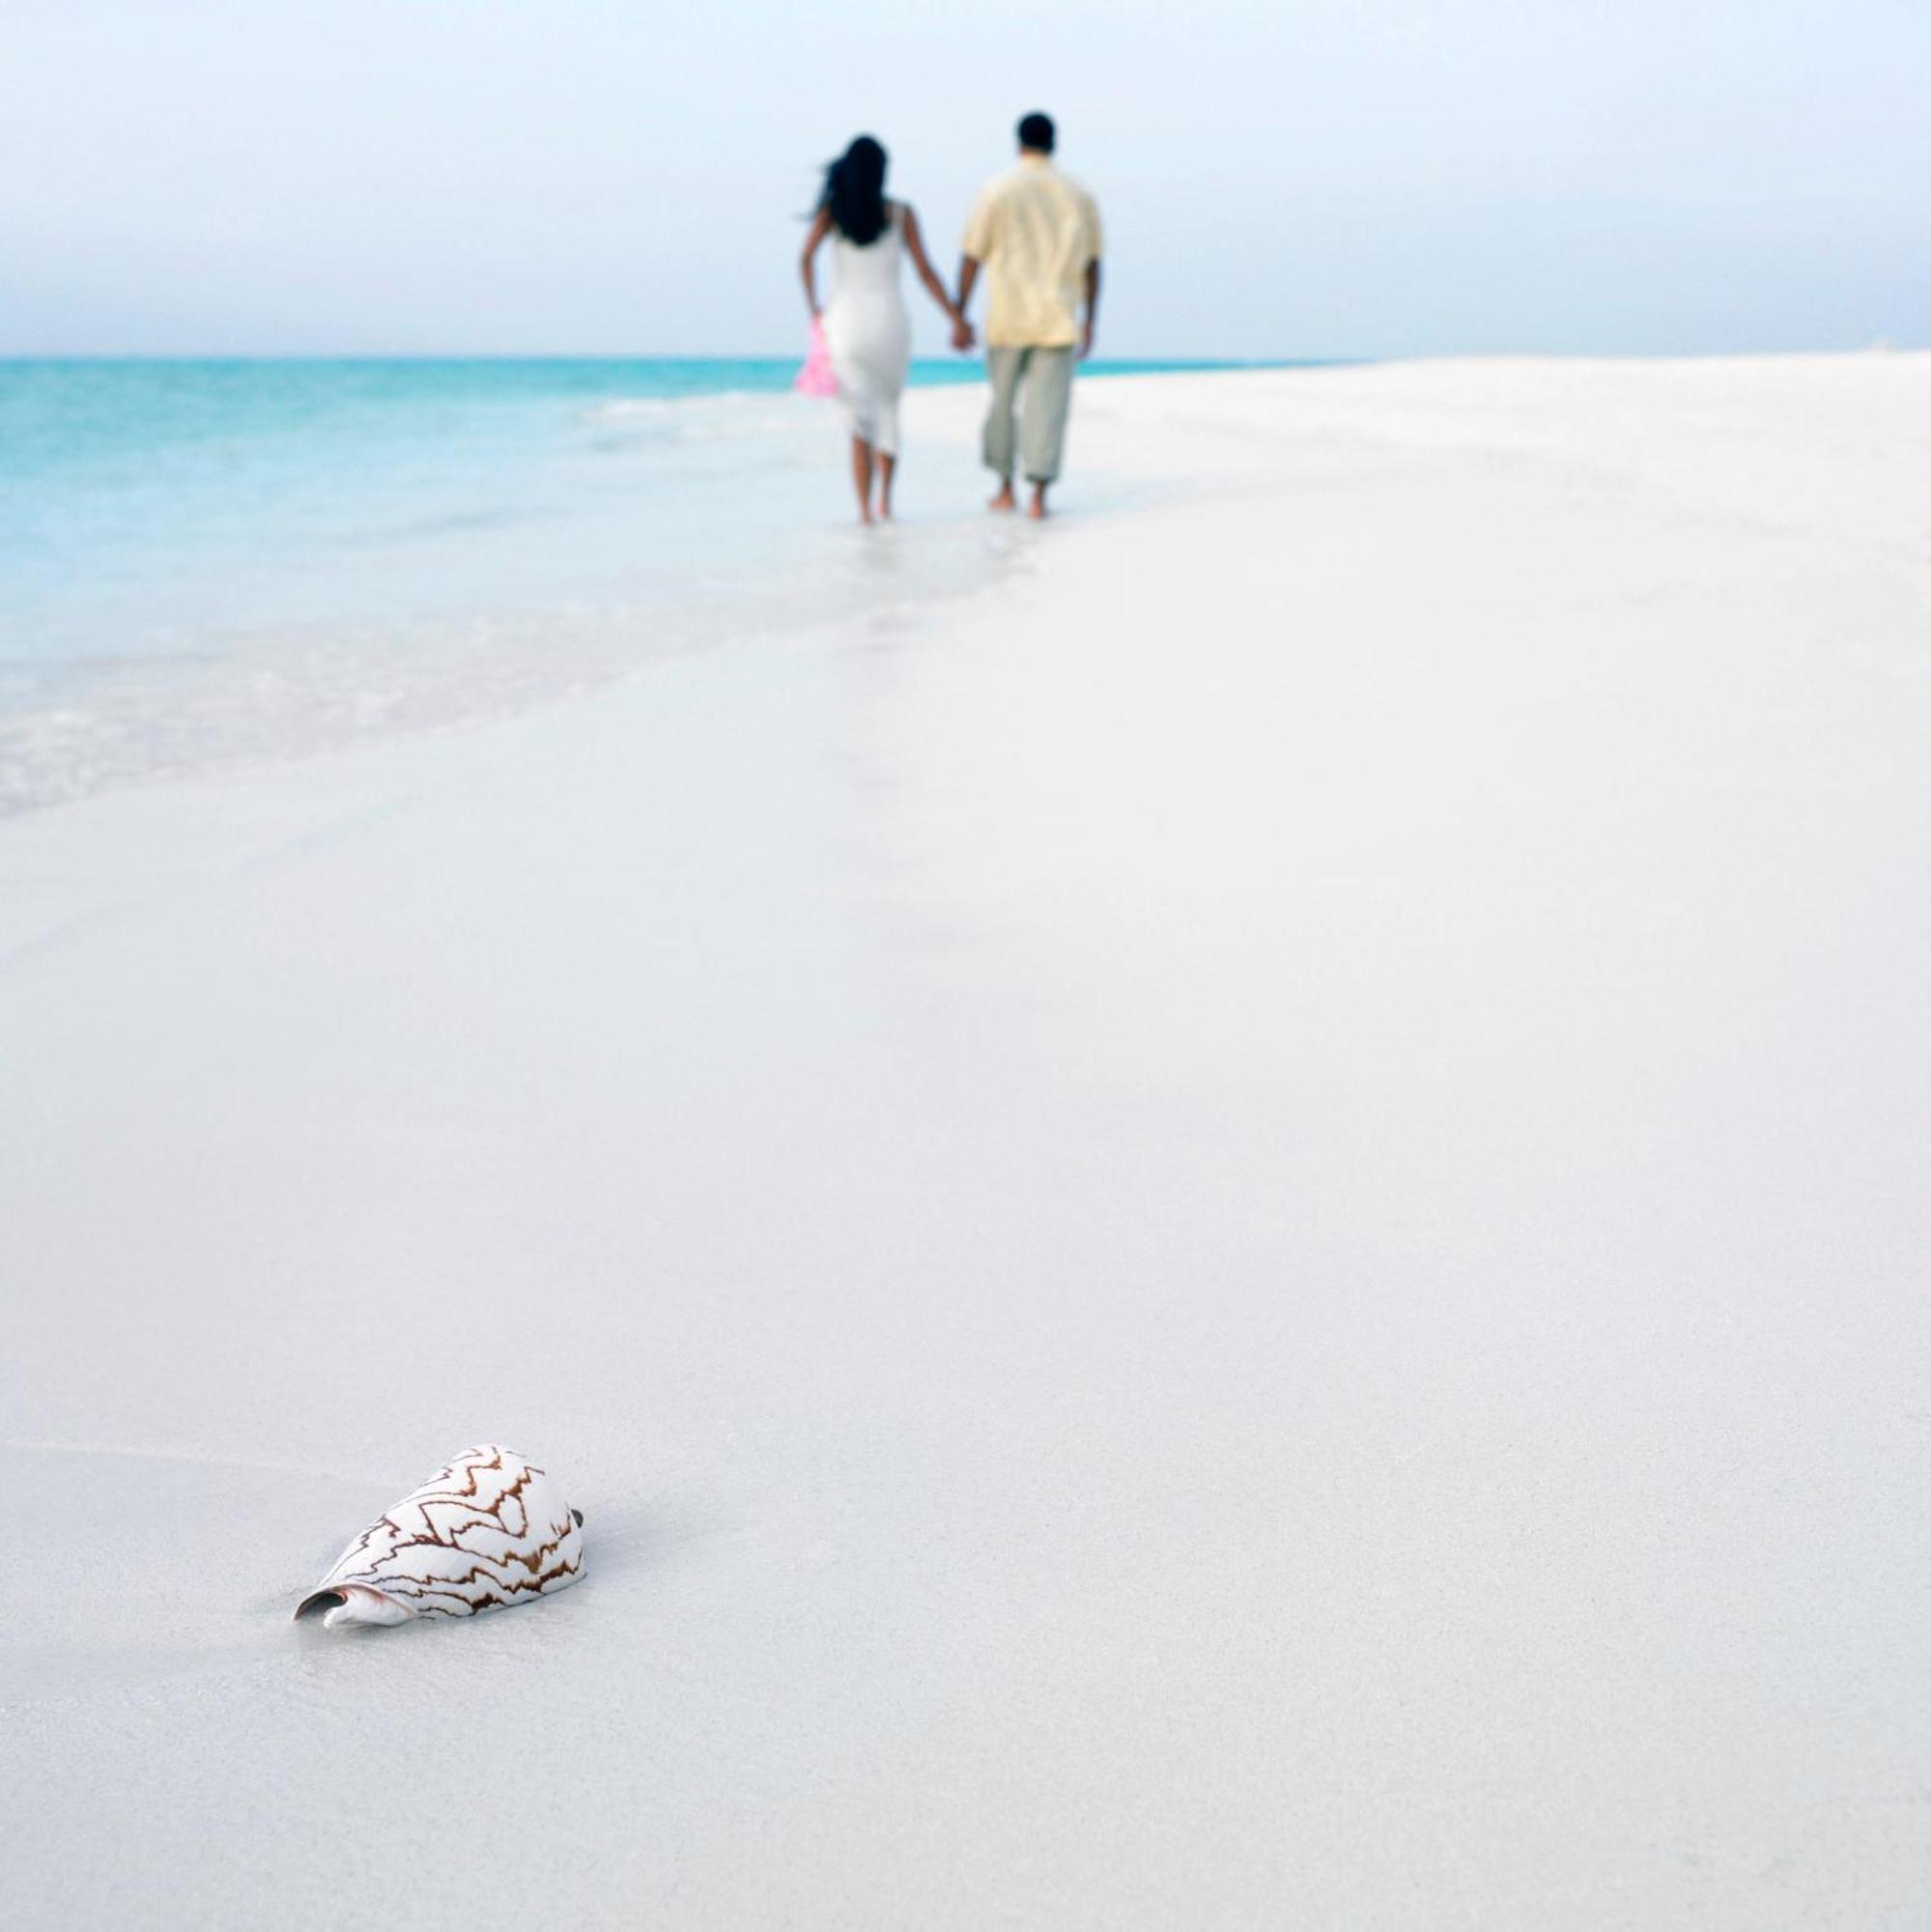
(872, 270)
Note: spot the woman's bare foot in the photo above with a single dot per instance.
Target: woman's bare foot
(1005, 500)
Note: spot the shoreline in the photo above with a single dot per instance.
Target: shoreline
(1230, 1228)
(545, 536)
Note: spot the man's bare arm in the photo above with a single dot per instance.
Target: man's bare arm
(1092, 306)
(963, 337)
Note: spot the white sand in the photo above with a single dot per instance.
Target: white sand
(1236, 1235)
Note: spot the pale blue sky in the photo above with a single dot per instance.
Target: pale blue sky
(1335, 178)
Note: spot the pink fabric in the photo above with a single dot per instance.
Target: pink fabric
(815, 378)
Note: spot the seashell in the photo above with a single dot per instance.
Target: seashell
(489, 1529)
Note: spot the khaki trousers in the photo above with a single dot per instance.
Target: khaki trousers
(1046, 377)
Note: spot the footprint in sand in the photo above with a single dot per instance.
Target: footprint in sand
(149, 1566)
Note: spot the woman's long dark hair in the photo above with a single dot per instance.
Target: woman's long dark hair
(853, 193)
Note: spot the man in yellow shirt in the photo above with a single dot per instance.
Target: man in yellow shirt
(1036, 233)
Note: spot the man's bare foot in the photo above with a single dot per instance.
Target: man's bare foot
(1037, 508)
(1005, 500)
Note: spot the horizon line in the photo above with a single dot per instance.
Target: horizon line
(1881, 346)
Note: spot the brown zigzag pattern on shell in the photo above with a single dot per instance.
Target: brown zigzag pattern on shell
(457, 1545)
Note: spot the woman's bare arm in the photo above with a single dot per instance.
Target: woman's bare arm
(936, 289)
(821, 226)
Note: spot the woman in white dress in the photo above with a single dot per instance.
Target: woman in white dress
(866, 330)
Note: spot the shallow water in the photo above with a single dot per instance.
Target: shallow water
(202, 561)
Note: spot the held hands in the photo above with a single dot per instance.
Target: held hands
(963, 334)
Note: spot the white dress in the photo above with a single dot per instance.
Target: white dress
(868, 332)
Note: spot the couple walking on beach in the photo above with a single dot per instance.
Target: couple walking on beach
(1035, 233)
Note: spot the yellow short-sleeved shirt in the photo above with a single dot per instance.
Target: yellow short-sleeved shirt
(1036, 230)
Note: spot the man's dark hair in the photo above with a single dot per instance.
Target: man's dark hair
(1036, 131)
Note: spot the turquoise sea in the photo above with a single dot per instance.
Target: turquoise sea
(202, 561)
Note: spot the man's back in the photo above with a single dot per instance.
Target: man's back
(1037, 230)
